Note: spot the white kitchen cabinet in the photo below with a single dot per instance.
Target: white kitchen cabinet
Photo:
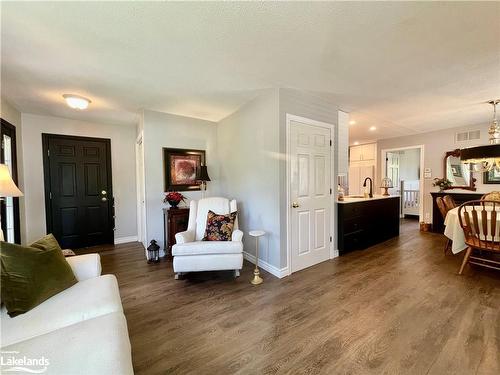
(357, 175)
(363, 152)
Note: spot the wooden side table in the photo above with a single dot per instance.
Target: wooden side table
(175, 220)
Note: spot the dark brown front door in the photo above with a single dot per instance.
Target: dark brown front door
(78, 191)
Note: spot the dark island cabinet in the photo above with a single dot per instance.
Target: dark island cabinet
(367, 223)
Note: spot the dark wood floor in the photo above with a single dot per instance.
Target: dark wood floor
(396, 308)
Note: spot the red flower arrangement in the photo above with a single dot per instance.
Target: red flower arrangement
(174, 198)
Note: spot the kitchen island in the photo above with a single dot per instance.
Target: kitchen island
(364, 222)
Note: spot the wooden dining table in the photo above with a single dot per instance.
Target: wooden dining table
(454, 231)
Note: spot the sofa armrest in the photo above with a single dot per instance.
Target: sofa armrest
(85, 266)
(237, 235)
(184, 237)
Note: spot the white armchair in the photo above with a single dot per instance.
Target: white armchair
(191, 254)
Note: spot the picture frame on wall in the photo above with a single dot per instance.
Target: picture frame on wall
(491, 177)
(180, 167)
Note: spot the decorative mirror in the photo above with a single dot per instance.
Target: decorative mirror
(459, 174)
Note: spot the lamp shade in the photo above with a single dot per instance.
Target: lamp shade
(7, 186)
(203, 174)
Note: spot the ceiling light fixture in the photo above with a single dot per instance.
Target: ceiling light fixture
(356, 143)
(76, 101)
(372, 128)
(485, 158)
(352, 122)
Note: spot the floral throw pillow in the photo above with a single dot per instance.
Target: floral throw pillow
(219, 227)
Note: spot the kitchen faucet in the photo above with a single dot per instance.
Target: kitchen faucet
(371, 186)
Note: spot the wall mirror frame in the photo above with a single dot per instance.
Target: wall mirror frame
(459, 174)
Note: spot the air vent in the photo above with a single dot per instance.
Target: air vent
(476, 134)
(467, 136)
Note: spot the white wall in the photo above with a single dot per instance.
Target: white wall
(123, 169)
(436, 144)
(9, 113)
(167, 130)
(248, 150)
(13, 116)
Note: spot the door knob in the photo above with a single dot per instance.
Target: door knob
(104, 192)
(104, 199)
(295, 205)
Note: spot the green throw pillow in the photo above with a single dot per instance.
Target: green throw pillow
(30, 276)
(47, 242)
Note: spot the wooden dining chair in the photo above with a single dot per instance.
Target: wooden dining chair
(449, 202)
(442, 209)
(480, 233)
(491, 196)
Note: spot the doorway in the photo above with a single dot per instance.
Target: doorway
(79, 203)
(404, 166)
(9, 207)
(309, 187)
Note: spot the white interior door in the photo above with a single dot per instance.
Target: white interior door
(141, 200)
(310, 184)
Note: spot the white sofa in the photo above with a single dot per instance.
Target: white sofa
(191, 254)
(81, 330)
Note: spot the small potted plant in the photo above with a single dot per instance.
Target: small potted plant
(173, 198)
(442, 183)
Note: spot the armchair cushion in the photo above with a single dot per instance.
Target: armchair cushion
(219, 227)
(199, 212)
(47, 242)
(31, 276)
(207, 247)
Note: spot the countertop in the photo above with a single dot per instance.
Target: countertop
(348, 200)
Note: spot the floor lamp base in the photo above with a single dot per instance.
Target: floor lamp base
(256, 278)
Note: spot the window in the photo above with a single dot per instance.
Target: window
(9, 207)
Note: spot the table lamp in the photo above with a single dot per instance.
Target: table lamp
(7, 188)
(386, 185)
(203, 177)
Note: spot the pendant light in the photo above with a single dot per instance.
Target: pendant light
(485, 158)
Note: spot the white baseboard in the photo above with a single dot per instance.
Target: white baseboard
(125, 239)
(280, 273)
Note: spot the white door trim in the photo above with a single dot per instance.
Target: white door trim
(331, 127)
(383, 171)
(140, 185)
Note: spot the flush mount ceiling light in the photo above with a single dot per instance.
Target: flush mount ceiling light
(356, 143)
(485, 158)
(76, 101)
(372, 128)
(352, 122)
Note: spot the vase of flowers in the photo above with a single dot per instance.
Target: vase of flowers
(173, 198)
(442, 183)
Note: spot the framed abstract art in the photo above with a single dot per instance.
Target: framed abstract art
(180, 167)
(491, 177)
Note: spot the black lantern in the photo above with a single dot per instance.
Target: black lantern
(153, 252)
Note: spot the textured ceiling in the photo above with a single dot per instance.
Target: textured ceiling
(402, 67)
